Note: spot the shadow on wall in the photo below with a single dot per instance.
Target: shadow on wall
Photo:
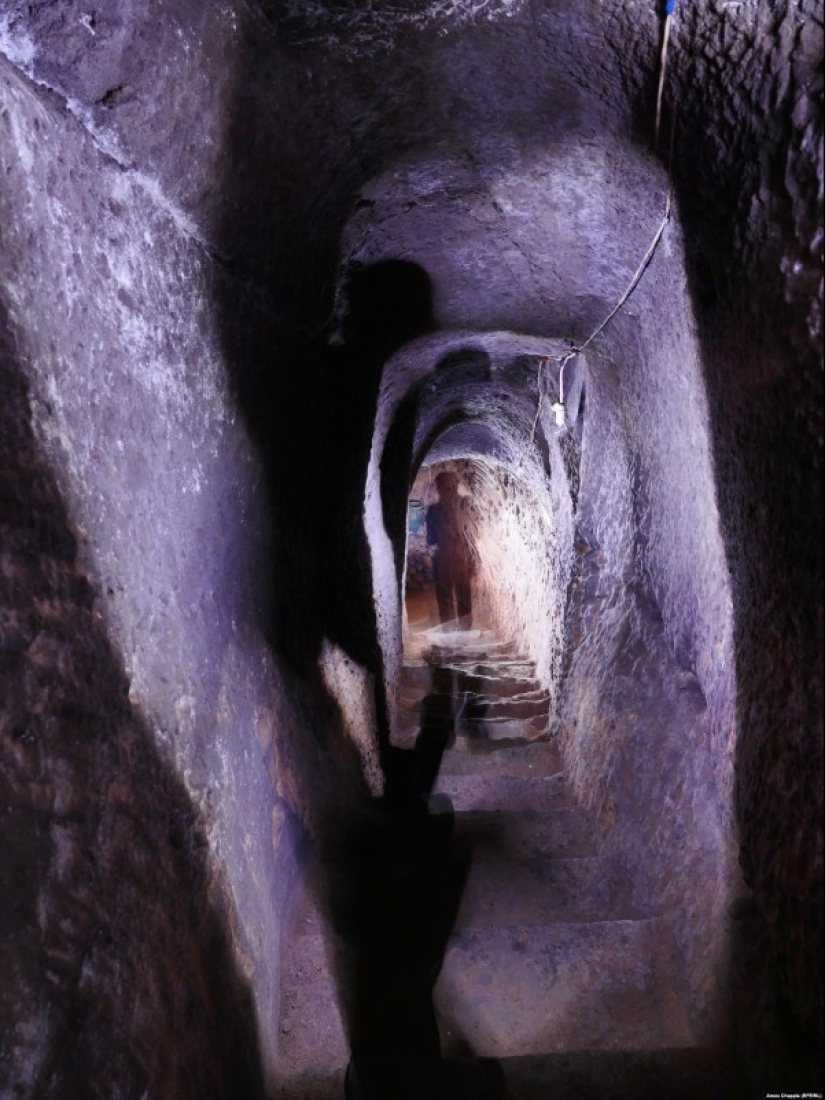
(395, 883)
(310, 406)
(116, 964)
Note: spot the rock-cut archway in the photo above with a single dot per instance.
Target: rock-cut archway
(631, 618)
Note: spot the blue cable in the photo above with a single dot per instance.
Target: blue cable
(669, 6)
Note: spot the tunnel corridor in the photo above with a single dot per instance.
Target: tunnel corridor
(297, 801)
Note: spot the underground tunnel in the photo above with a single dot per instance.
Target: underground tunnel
(282, 286)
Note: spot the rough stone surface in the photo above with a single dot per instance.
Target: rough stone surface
(107, 311)
(120, 937)
(182, 180)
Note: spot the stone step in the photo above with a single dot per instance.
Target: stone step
(479, 756)
(508, 730)
(503, 792)
(496, 687)
(312, 1045)
(451, 647)
(679, 1073)
(508, 992)
(675, 1073)
(499, 891)
(467, 639)
(477, 693)
(516, 708)
(563, 832)
(481, 651)
(538, 989)
(499, 732)
(456, 637)
(498, 670)
(454, 675)
(532, 693)
(464, 1078)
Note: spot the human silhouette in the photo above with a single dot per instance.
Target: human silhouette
(453, 553)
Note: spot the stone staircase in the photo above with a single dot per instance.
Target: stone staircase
(548, 967)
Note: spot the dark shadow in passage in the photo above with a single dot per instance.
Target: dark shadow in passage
(395, 885)
(686, 1073)
(396, 470)
(474, 704)
(316, 440)
(310, 408)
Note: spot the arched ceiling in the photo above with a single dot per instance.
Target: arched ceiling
(544, 243)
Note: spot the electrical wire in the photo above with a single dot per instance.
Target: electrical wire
(669, 6)
(634, 282)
